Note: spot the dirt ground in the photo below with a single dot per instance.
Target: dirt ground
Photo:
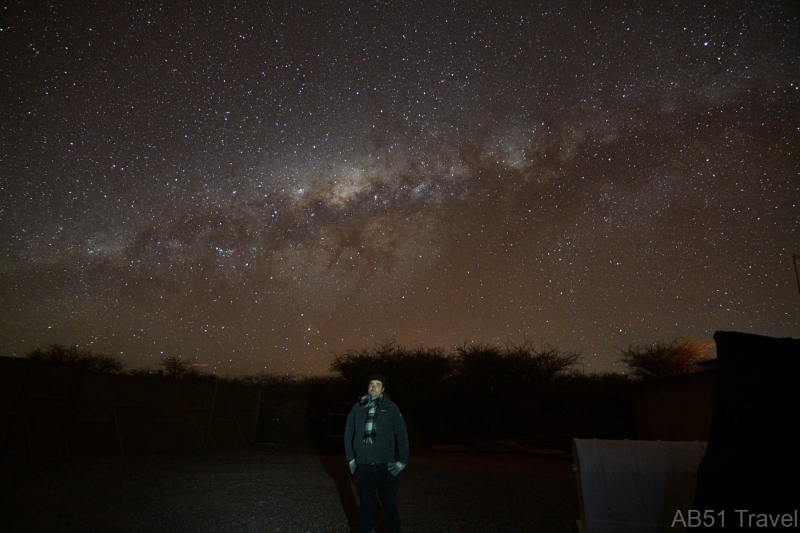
(289, 490)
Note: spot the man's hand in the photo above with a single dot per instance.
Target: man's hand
(396, 468)
(352, 467)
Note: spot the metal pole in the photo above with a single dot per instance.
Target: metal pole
(795, 257)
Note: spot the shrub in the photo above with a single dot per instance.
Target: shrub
(56, 353)
(176, 367)
(663, 359)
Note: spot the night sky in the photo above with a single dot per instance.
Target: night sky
(262, 184)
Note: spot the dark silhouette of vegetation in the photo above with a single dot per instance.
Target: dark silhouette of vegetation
(468, 394)
(415, 379)
(405, 368)
(501, 389)
(512, 366)
(596, 405)
(175, 367)
(271, 380)
(663, 359)
(73, 355)
(145, 372)
(476, 392)
(296, 408)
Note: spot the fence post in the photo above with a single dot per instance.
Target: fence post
(211, 413)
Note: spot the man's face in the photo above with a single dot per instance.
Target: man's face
(375, 389)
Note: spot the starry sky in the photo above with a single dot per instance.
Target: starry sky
(261, 185)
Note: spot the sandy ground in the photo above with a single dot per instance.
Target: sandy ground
(285, 490)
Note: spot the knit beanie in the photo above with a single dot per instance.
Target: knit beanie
(377, 377)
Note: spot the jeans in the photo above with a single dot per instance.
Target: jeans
(368, 479)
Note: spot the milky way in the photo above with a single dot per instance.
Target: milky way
(260, 185)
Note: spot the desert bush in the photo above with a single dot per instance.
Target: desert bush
(293, 408)
(144, 372)
(474, 392)
(498, 369)
(408, 372)
(175, 367)
(503, 390)
(415, 378)
(663, 359)
(73, 355)
(271, 381)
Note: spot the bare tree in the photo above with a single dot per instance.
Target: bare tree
(663, 359)
(176, 367)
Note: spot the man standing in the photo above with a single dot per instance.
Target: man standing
(376, 445)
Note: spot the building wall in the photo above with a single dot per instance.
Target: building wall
(674, 409)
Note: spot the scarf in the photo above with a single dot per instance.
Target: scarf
(370, 433)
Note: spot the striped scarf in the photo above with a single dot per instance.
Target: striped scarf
(370, 433)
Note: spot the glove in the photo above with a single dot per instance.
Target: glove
(352, 467)
(396, 468)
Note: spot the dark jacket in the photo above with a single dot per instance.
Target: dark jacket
(391, 443)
